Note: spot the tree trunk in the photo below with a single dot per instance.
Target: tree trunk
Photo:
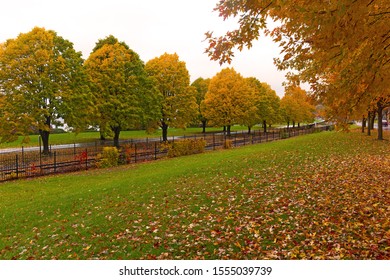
(265, 126)
(249, 129)
(228, 130)
(117, 131)
(204, 126)
(45, 141)
(45, 136)
(102, 137)
(164, 127)
(372, 121)
(364, 120)
(369, 124)
(380, 123)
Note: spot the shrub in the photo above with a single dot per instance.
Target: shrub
(228, 144)
(284, 134)
(186, 147)
(109, 157)
(127, 152)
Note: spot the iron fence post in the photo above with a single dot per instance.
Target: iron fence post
(39, 142)
(17, 165)
(135, 152)
(23, 154)
(55, 161)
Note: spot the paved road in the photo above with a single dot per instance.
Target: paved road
(375, 126)
(79, 145)
(32, 149)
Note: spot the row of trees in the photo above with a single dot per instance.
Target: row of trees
(228, 99)
(44, 80)
(340, 47)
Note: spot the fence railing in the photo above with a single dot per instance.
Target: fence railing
(26, 163)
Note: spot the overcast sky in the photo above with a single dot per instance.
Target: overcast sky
(150, 28)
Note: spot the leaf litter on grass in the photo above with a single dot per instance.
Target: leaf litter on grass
(319, 197)
(335, 206)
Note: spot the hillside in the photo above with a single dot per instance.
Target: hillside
(319, 196)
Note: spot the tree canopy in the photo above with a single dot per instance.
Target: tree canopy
(341, 48)
(267, 103)
(201, 85)
(229, 100)
(178, 107)
(42, 80)
(296, 107)
(124, 95)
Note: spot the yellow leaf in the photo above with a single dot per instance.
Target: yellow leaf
(87, 248)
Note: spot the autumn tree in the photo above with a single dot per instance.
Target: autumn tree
(289, 110)
(341, 48)
(178, 106)
(101, 121)
(42, 80)
(125, 96)
(296, 106)
(201, 85)
(267, 103)
(229, 100)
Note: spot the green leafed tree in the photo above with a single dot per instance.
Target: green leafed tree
(178, 107)
(42, 80)
(125, 96)
(267, 103)
(201, 86)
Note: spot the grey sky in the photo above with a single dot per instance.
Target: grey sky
(149, 27)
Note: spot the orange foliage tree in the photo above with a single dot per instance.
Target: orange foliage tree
(230, 100)
(340, 47)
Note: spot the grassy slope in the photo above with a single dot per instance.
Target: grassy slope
(316, 196)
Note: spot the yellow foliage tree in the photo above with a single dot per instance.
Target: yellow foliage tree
(125, 97)
(296, 107)
(178, 106)
(267, 103)
(42, 80)
(230, 100)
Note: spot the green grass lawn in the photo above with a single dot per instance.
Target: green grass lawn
(319, 196)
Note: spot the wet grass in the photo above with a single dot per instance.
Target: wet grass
(305, 197)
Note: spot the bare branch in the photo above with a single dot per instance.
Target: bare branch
(379, 14)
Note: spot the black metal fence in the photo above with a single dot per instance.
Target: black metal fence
(30, 163)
